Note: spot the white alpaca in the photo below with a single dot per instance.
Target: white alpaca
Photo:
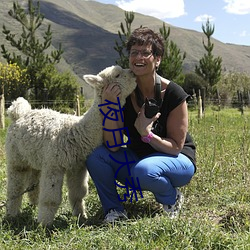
(42, 145)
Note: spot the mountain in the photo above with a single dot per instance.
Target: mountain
(88, 30)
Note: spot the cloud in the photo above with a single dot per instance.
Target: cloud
(240, 7)
(243, 33)
(161, 9)
(203, 18)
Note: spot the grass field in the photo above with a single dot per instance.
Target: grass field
(215, 215)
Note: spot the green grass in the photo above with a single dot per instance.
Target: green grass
(216, 213)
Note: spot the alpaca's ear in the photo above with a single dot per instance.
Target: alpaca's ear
(93, 80)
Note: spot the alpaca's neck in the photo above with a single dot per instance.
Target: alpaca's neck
(91, 126)
(93, 115)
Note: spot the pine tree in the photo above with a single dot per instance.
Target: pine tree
(171, 65)
(209, 67)
(172, 61)
(124, 34)
(31, 50)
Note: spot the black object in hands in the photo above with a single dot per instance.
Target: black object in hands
(151, 108)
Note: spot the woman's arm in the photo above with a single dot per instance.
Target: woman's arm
(110, 93)
(176, 127)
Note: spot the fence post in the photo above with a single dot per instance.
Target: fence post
(199, 105)
(45, 97)
(78, 113)
(2, 107)
(203, 98)
(219, 100)
(195, 98)
(241, 103)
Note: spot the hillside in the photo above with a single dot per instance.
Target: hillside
(88, 31)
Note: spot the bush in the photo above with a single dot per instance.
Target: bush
(193, 83)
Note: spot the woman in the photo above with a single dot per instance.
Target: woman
(160, 151)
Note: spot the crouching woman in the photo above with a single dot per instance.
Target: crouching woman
(160, 153)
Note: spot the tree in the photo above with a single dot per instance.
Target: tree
(31, 50)
(13, 82)
(124, 35)
(193, 83)
(172, 61)
(209, 67)
(60, 87)
(232, 83)
(171, 65)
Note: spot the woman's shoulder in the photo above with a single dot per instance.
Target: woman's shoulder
(174, 94)
(164, 83)
(169, 86)
(176, 88)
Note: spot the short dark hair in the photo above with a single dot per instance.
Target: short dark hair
(146, 36)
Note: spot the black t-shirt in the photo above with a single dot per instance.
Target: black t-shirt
(174, 95)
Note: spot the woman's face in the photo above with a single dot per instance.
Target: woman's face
(142, 60)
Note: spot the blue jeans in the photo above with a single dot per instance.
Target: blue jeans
(159, 173)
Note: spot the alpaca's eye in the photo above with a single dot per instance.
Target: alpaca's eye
(117, 76)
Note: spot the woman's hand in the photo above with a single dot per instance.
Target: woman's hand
(144, 124)
(111, 92)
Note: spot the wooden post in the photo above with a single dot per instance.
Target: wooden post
(2, 109)
(241, 103)
(203, 94)
(78, 113)
(195, 98)
(199, 105)
(45, 97)
(219, 100)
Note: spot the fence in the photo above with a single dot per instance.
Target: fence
(240, 102)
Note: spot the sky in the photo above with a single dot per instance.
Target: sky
(231, 18)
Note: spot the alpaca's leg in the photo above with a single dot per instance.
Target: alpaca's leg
(77, 181)
(34, 186)
(50, 195)
(16, 184)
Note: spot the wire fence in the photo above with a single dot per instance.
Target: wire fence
(193, 102)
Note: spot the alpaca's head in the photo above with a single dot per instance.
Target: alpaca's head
(18, 108)
(125, 78)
